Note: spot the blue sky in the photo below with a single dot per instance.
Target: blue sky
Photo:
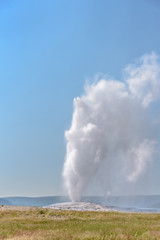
(47, 51)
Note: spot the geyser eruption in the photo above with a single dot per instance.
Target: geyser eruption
(114, 128)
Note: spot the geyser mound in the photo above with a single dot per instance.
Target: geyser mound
(80, 206)
(114, 133)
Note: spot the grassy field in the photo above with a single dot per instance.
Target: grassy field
(36, 224)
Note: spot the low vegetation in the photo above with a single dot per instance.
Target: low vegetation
(19, 223)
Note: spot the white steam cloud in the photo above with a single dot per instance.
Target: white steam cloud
(114, 127)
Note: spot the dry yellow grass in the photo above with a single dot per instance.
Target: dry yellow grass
(24, 223)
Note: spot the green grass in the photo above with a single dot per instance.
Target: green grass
(38, 224)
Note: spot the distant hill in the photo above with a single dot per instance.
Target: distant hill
(4, 201)
(141, 201)
(33, 201)
(157, 205)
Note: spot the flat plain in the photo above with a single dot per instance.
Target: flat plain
(28, 223)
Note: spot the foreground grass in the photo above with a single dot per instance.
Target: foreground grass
(38, 224)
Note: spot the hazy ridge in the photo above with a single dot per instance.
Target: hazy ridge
(141, 201)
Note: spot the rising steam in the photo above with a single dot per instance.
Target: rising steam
(114, 128)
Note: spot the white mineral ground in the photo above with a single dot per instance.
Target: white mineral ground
(79, 206)
(85, 206)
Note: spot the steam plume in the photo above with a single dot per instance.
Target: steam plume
(113, 127)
